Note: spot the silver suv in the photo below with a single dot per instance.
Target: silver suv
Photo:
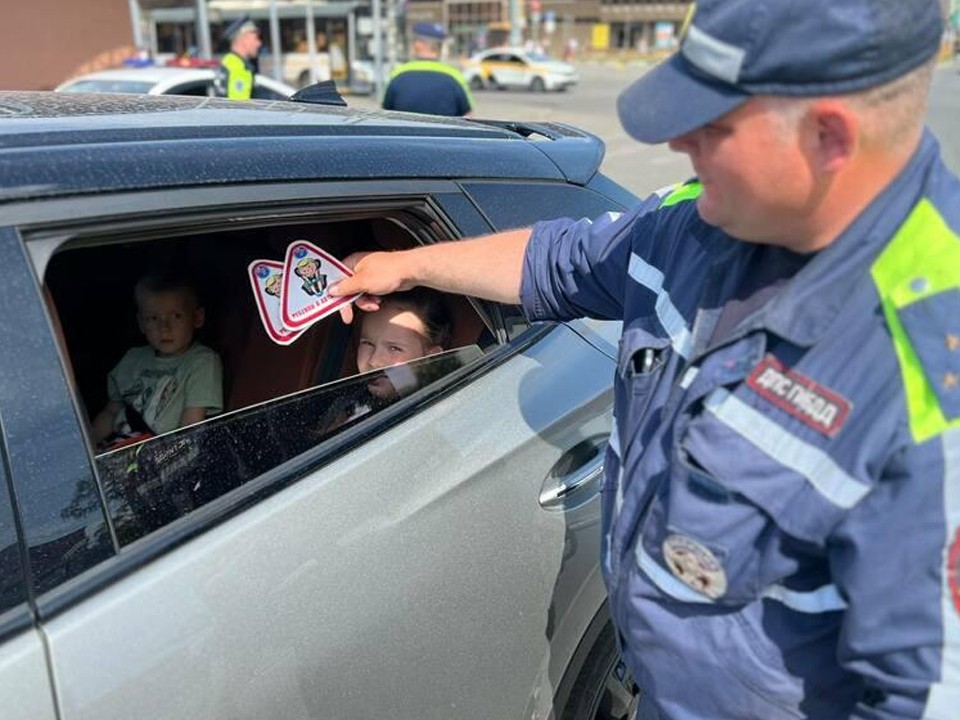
(434, 556)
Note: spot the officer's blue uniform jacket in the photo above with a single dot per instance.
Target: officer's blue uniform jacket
(428, 86)
(781, 503)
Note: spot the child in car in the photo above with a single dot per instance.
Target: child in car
(407, 326)
(170, 382)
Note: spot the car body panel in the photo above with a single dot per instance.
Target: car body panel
(25, 679)
(314, 593)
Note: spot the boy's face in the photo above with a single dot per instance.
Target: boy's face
(391, 336)
(168, 320)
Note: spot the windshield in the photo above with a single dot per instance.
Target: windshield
(539, 57)
(109, 86)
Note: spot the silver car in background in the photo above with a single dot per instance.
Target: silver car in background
(160, 80)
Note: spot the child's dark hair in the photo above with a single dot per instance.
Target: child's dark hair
(161, 282)
(431, 307)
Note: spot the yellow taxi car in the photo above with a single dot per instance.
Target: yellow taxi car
(501, 68)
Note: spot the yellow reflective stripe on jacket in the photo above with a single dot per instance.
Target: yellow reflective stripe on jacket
(682, 192)
(239, 77)
(434, 66)
(921, 260)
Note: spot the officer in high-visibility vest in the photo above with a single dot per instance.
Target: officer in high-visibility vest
(781, 501)
(424, 84)
(238, 67)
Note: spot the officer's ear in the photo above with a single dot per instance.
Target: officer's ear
(836, 129)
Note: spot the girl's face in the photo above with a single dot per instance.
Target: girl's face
(390, 336)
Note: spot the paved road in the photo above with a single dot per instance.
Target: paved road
(643, 168)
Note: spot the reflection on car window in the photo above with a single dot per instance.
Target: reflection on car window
(153, 483)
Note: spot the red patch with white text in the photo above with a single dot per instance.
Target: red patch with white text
(953, 571)
(812, 404)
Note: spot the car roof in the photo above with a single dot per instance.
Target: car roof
(72, 143)
(152, 74)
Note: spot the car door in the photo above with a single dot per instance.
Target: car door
(24, 680)
(437, 561)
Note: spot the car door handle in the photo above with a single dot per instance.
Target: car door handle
(578, 469)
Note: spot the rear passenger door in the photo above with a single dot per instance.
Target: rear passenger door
(419, 562)
(24, 680)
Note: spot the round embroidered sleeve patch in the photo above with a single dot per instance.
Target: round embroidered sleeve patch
(695, 565)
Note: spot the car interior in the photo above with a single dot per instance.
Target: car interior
(88, 285)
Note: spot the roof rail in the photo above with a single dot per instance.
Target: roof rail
(577, 153)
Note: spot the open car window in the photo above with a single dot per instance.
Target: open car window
(276, 402)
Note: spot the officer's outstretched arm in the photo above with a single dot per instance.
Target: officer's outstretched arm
(489, 267)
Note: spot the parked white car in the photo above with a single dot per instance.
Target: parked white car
(515, 68)
(161, 80)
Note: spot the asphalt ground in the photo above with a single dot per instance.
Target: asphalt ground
(591, 106)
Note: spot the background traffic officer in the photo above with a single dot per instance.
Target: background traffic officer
(781, 501)
(239, 66)
(424, 84)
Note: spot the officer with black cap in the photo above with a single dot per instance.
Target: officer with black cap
(780, 509)
(239, 66)
(424, 84)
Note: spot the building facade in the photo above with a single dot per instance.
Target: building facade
(49, 41)
(593, 26)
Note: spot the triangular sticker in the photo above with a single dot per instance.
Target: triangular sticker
(307, 273)
(266, 279)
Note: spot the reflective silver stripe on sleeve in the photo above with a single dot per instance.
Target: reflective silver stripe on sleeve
(823, 599)
(715, 57)
(688, 377)
(667, 313)
(663, 579)
(608, 218)
(944, 697)
(615, 446)
(816, 466)
(614, 440)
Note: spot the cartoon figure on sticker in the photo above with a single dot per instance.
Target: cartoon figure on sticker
(308, 271)
(314, 282)
(266, 281)
(273, 284)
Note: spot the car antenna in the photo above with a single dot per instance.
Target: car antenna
(322, 93)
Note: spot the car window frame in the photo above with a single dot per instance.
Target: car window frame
(41, 225)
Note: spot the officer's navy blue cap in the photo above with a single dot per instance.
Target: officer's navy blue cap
(241, 24)
(433, 31)
(733, 49)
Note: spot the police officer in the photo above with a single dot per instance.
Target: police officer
(424, 84)
(238, 67)
(781, 503)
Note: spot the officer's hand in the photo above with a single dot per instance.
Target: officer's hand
(374, 274)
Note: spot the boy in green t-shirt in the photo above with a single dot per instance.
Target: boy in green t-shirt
(169, 383)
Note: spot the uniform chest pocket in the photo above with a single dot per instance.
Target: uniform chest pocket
(643, 361)
(731, 523)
